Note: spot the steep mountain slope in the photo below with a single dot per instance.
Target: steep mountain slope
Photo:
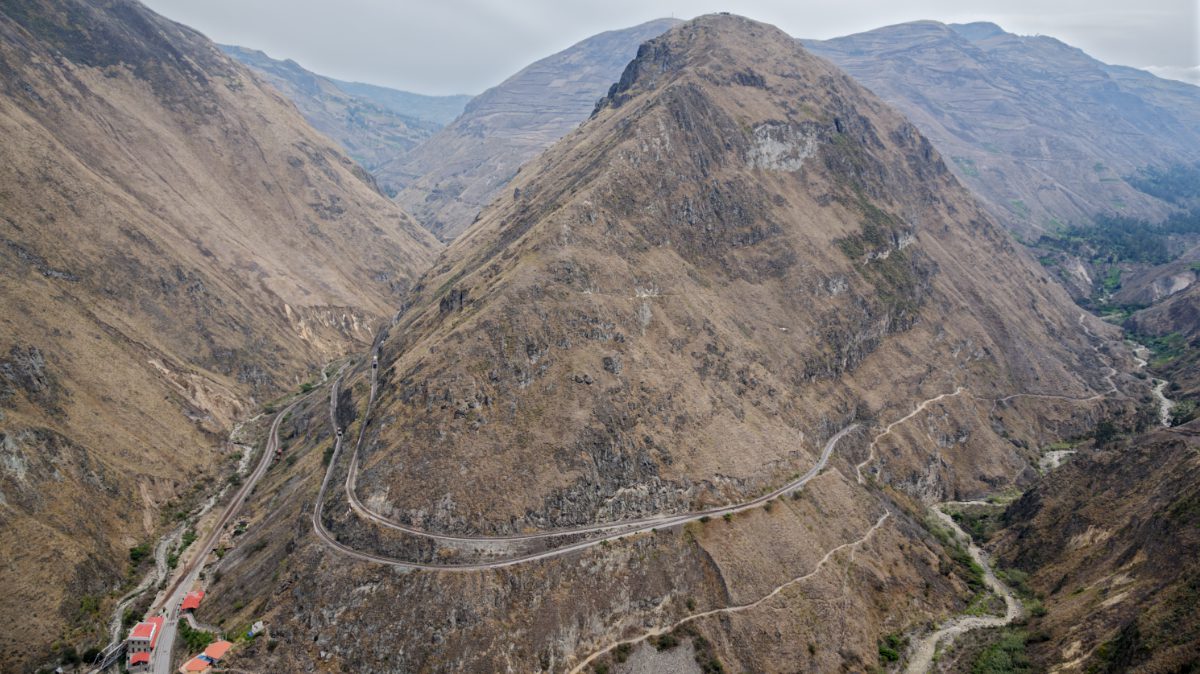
(440, 110)
(374, 124)
(1112, 541)
(176, 245)
(1042, 132)
(741, 263)
(450, 177)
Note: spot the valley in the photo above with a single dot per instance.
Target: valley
(692, 347)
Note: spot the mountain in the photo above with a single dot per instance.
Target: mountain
(177, 247)
(743, 280)
(1043, 133)
(440, 110)
(373, 124)
(451, 176)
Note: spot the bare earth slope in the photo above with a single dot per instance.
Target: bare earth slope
(454, 174)
(743, 259)
(1042, 132)
(176, 243)
(373, 126)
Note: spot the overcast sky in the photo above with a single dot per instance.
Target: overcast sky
(465, 46)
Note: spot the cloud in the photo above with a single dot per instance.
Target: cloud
(1189, 74)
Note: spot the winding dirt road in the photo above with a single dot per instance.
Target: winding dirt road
(611, 531)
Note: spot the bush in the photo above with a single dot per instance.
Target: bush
(196, 640)
(888, 654)
(1006, 656)
(139, 552)
(622, 651)
(664, 642)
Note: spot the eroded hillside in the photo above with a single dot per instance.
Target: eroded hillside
(177, 246)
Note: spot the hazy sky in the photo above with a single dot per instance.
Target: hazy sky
(465, 46)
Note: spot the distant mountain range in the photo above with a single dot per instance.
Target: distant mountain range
(1044, 134)
(374, 124)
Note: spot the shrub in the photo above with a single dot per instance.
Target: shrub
(139, 552)
(888, 654)
(664, 642)
(622, 651)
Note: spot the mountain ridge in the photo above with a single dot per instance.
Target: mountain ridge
(451, 176)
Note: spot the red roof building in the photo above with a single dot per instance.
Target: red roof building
(146, 633)
(197, 664)
(142, 639)
(191, 601)
(217, 649)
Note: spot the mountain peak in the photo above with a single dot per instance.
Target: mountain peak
(977, 30)
(720, 48)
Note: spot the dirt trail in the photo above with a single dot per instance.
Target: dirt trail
(658, 631)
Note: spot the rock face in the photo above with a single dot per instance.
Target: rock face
(176, 243)
(1112, 542)
(374, 124)
(454, 174)
(1043, 133)
(739, 255)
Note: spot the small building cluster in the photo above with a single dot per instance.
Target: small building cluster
(208, 658)
(142, 640)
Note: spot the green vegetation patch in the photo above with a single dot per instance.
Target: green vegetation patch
(195, 640)
(1178, 183)
(1006, 656)
(967, 166)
